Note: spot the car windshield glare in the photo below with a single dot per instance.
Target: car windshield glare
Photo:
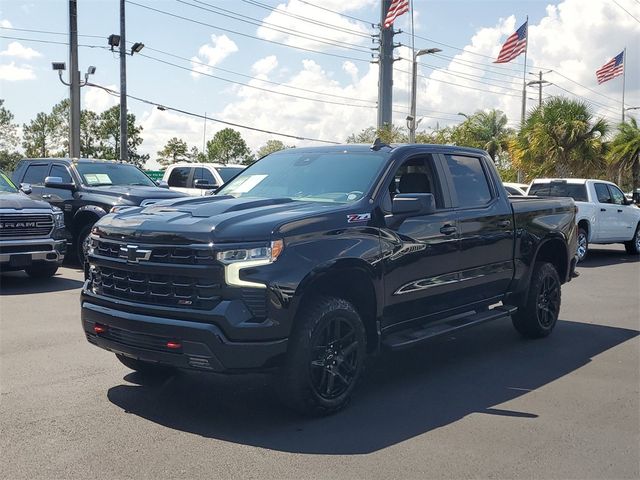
(337, 177)
(96, 174)
(6, 186)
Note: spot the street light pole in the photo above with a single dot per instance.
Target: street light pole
(412, 121)
(124, 150)
(74, 82)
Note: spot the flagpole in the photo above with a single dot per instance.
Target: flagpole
(624, 77)
(524, 89)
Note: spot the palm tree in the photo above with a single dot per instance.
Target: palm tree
(562, 138)
(490, 131)
(624, 151)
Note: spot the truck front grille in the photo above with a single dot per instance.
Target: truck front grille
(24, 225)
(170, 290)
(159, 254)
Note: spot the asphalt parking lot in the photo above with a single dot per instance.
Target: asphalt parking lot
(483, 404)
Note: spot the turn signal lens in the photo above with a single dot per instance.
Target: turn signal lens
(276, 249)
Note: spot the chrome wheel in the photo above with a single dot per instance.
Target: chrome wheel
(637, 239)
(548, 305)
(583, 245)
(334, 363)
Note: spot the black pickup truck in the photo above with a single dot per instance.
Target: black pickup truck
(87, 189)
(314, 257)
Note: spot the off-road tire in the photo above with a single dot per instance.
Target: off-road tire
(303, 383)
(633, 246)
(538, 316)
(46, 270)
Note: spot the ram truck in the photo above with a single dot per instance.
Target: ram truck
(313, 258)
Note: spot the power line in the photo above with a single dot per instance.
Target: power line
(587, 88)
(49, 32)
(373, 24)
(186, 112)
(233, 32)
(277, 28)
(628, 12)
(52, 42)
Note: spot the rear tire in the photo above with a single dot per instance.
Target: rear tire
(45, 270)
(633, 246)
(144, 368)
(583, 244)
(538, 316)
(325, 359)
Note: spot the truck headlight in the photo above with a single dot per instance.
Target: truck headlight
(241, 258)
(58, 218)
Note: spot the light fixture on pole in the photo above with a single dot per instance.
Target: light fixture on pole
(412, 123)
(463, 115)
(61, 67)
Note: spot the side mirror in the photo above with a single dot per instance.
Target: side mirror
(56, 182)
(405, 205)
(162, 184)
(26, 188)
(201, 183)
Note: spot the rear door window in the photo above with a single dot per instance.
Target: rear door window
(36, 173)
(602, 192)
(470, 180)
(179, 177)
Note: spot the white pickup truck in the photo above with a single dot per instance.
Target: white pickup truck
(605, 215)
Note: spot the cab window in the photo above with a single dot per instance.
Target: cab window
(36, 174)
(179, 177)
(62, 172)
(204, 174)
(617, 195)
(470, 180)
(602, 192)
(416, 175)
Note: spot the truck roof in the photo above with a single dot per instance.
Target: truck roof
(394, 147)
(70, 160)
(570, 180)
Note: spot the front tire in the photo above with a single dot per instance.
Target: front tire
(583, 244)
(82, 243)
(633, 246)
(45, 270)
(325, 358)
(142, 367)
(538, 317)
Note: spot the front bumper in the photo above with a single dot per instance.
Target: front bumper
(203, 346)
(23, 253)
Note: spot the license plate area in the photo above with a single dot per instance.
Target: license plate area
(21, 260)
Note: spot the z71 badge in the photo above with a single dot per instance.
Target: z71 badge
(358, 217)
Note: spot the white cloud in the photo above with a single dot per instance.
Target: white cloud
(210, 55)
(13, 73)
(5, 23)
(265, 65)
(98, 100)
(324, 25)
(16, 49)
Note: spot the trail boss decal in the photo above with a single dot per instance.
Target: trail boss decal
(358, 217)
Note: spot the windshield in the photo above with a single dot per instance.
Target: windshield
(339, 177)
(6, 186)
(102, 174)
(227, 173)
(577, 191)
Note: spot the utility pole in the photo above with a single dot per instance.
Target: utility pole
(124, 150)
(74, 82)
(385, 74)
(540, 83)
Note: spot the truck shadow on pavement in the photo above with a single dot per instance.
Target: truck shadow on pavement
(19, 283)
(603, 257)
(402, 395)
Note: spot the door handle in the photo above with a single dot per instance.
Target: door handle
(603, 209)
(619, 210)
(46, 196)
(504, 223)
(448, 229)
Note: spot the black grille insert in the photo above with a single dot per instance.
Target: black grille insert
(159, 254)
(25, 225)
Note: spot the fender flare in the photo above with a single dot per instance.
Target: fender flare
(93, 209)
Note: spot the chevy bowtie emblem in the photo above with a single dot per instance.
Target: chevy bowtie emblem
(133, 254)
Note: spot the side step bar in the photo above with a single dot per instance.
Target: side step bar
(408, 338)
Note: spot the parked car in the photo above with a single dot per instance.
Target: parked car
(32, 234)
(87, 189)
(199, 178)
(312, 258)
(605, 215)
(516, 189)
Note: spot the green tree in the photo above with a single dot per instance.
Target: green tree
(624, 151)
(486, 130)
(196, 155)
(270, 147)
(175, 150)
(386, 134)
(561, 138)
(89, 134)
(441, 136)
(9, 155)
(41, 136)
(110, 136)
(227, 146)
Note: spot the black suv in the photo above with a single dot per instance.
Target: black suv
(87, 189)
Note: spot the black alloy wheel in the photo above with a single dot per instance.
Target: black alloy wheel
(548, 305)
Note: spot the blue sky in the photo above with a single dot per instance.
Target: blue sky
(571, 36)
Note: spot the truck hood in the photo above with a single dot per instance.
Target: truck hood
(223, 219)
(134, 193)
(20, 201)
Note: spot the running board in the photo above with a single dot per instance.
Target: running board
(411, 337)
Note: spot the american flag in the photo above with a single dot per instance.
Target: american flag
(397, 8)
(611, 69)
(514, 46)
